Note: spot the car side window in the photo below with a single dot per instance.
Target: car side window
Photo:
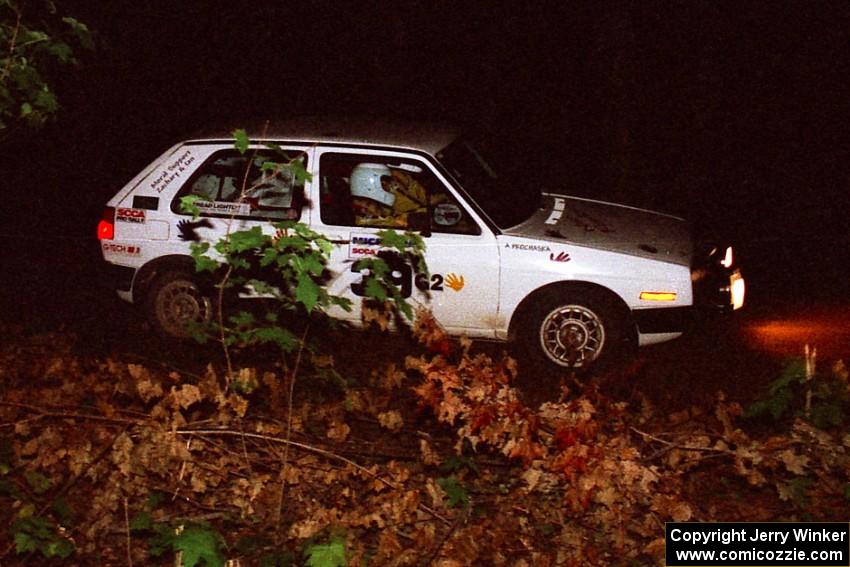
(387, 192)
(233, 184)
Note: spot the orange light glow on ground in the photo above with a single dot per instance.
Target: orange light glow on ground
(828, 331)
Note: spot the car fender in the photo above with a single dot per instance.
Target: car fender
(530, 266)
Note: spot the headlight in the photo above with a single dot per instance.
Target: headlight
(737, 289)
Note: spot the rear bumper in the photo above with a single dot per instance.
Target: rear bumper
(119, 278)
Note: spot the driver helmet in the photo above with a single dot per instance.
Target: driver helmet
(366, 182)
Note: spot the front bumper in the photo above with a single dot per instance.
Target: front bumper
(722, 291)
(669, 320)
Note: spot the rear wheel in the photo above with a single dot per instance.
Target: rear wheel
(177, 305)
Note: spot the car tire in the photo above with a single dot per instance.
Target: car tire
(177, 305)
(572, 330)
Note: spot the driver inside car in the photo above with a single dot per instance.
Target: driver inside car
(385, 197)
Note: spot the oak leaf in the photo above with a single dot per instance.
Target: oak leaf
(338, 431)
(793, 462)
(186, 395)
(391, 420)
(429, 456)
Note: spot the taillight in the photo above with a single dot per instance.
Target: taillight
(106, 226)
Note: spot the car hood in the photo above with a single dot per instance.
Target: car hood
(609, 226)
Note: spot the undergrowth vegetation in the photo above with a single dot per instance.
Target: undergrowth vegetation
(430, 459)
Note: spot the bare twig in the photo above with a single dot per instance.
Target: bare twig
(309, 448)
(243, 192)
(221, 328)
(194, 503)
(182, 471)
(245, 447)
(292, 377)
(127, 531)
(73, 415)
(670, 445)
(161, 363)
(445, 538)
(12, 44)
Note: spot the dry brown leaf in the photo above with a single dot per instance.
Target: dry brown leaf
(429, 456)
(186, 395)
(148, 389)
(793, 462)
(338, 431)
(391, 420)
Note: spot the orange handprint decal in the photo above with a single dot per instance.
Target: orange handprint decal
(455, 282)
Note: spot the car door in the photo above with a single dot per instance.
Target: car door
(359, 193)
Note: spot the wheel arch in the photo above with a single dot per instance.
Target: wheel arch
(148, 273)
(575, 288)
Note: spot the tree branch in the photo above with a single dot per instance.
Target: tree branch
(309, 448)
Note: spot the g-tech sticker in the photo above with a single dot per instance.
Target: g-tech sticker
(130, 215)
(121, 249)
(172, 171)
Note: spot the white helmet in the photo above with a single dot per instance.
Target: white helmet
(366, 182)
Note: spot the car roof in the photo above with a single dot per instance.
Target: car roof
(427, 137)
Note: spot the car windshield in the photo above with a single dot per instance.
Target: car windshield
(506, 203)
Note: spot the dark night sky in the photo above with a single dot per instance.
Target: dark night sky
(733, 113)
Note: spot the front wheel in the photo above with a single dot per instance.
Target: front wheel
(177, 306)
(573, 330)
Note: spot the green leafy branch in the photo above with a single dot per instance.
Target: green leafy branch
(799, 391)
(27, 51)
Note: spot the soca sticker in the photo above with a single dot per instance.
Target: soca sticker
(130, 215)
(363, 246)
(121, 249)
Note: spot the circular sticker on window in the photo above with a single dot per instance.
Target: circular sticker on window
(447, 214)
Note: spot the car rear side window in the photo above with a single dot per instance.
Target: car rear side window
(263, 185)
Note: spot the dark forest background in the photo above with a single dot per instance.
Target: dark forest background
(732, 114)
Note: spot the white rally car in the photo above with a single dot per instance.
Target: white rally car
(571, 280)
